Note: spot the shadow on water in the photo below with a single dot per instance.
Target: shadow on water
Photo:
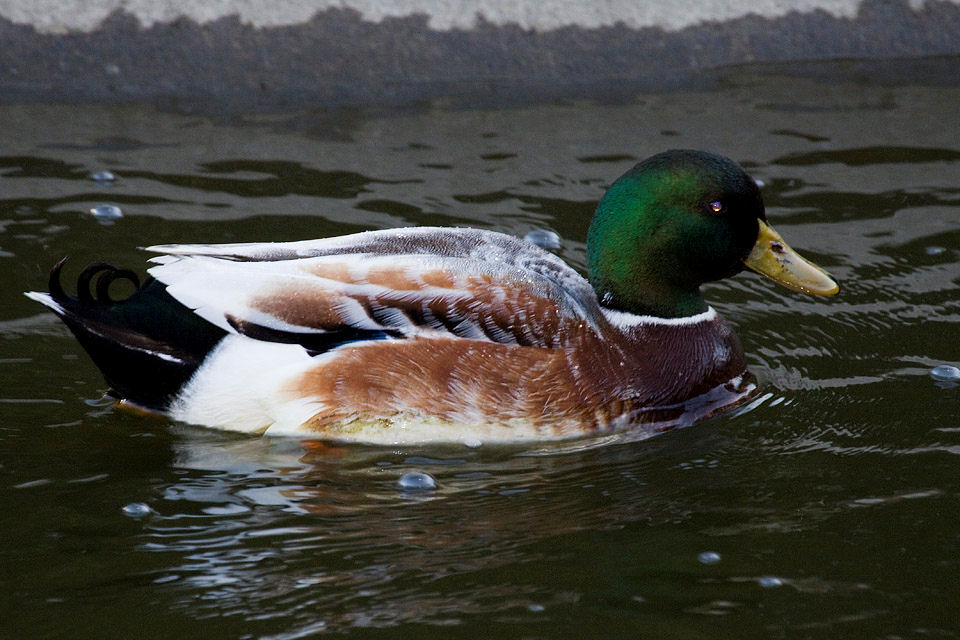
(824, 508)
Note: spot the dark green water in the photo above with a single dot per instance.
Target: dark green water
(828, 509)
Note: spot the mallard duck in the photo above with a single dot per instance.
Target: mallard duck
(433, 334)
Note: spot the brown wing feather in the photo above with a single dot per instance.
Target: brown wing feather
(464, 283)
(478, 306)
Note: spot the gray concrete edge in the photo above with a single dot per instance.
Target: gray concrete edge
(339, 57)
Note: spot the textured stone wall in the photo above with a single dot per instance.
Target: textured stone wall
(231, 55)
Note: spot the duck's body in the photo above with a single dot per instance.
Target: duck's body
(411, 334)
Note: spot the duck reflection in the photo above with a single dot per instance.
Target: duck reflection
(327, 535)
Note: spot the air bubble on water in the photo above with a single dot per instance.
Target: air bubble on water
(769, 582)
(473, 443)
(536, 608)
(945, 373)
(103, 176)
(945, 376)
(417, 481)
(106, 213)
(935, 251)
(137, 510)
(544, 238)
(709, 557)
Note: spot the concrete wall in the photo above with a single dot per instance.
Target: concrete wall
(234, 55)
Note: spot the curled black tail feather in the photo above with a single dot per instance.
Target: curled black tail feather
(147, 345)
(105, 274)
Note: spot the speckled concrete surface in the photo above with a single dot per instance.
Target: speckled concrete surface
(237, 55)
(61, 16)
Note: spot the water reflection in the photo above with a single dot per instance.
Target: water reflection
(282, 178)
(322, 537)
(871, 155)
(830, 499)
(281, 527)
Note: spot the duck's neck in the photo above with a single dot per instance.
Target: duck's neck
(631, 277)
(655, 299)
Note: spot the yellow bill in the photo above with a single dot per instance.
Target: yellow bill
(772, 257)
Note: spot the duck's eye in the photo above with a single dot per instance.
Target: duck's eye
(716, 207)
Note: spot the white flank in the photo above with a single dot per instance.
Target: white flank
(239, 387)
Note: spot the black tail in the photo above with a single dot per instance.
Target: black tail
(147, 345)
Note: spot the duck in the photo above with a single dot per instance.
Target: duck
(427, 334)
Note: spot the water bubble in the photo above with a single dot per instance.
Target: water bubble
(103, 176)
(106, 213)
(544, 238)
(137, 510)
(536, 608)
(709, 557)
(945, 373)
(935, 251)
(417, 481)
(945, 376)
(769, 582)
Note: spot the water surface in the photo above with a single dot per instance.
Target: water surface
(827, 508)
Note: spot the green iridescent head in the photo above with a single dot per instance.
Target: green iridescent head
(675, 221)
